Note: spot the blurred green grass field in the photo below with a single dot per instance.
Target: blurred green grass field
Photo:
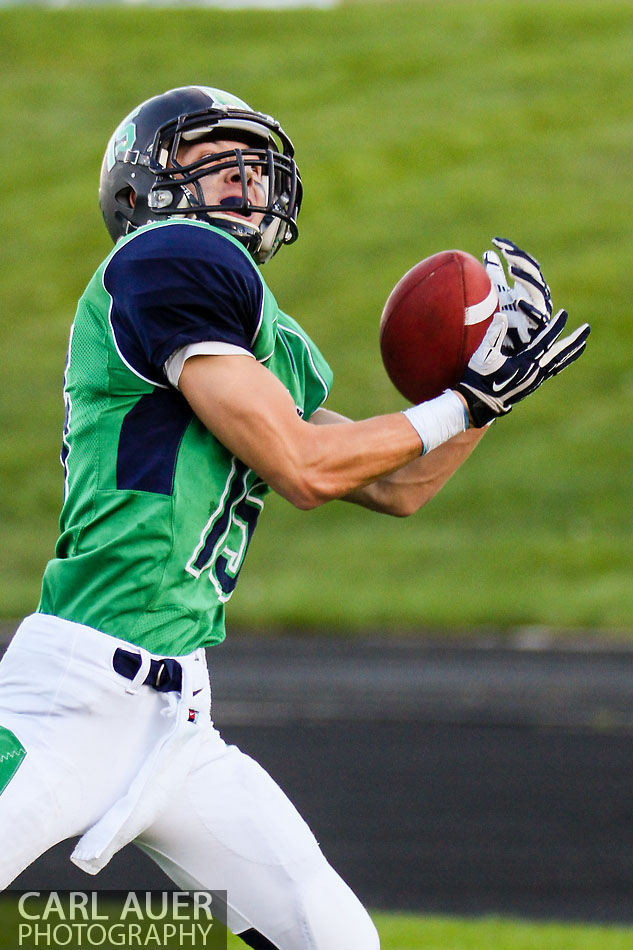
(409, 932)
(418, 126)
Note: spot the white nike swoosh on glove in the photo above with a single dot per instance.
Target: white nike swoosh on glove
(496, 387)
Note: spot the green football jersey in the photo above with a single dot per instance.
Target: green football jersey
(157, 514)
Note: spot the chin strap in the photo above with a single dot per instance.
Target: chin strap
(245, 233)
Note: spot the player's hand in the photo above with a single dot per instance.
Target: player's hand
(493, 381)
(528, 303)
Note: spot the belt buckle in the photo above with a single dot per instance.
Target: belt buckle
(159, 674)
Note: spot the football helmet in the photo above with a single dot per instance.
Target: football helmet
(143, 181)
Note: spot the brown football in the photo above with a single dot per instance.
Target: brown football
(433, 321)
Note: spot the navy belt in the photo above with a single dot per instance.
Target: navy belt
(164, 675)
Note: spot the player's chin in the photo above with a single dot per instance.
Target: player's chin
(253, 218)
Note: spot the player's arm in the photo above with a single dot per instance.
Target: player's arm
(407, 489)
(253, 415)
(250, 412)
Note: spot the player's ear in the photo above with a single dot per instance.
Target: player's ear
(127, 196)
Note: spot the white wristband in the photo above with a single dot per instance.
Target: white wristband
(438, 420)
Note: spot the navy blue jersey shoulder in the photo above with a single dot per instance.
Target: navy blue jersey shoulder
(180, 284)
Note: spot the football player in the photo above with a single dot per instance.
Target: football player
(190, 395)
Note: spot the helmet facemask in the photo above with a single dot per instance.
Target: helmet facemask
(178, 188)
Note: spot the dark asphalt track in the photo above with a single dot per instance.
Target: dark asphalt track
(439, 778)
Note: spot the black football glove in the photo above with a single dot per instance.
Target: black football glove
(494, 381)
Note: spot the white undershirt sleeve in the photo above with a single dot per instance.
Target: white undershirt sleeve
(173, 366)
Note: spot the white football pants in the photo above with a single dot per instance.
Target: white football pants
(114, 761)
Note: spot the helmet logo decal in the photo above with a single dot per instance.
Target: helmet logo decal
(121, 142)
(222, 98)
